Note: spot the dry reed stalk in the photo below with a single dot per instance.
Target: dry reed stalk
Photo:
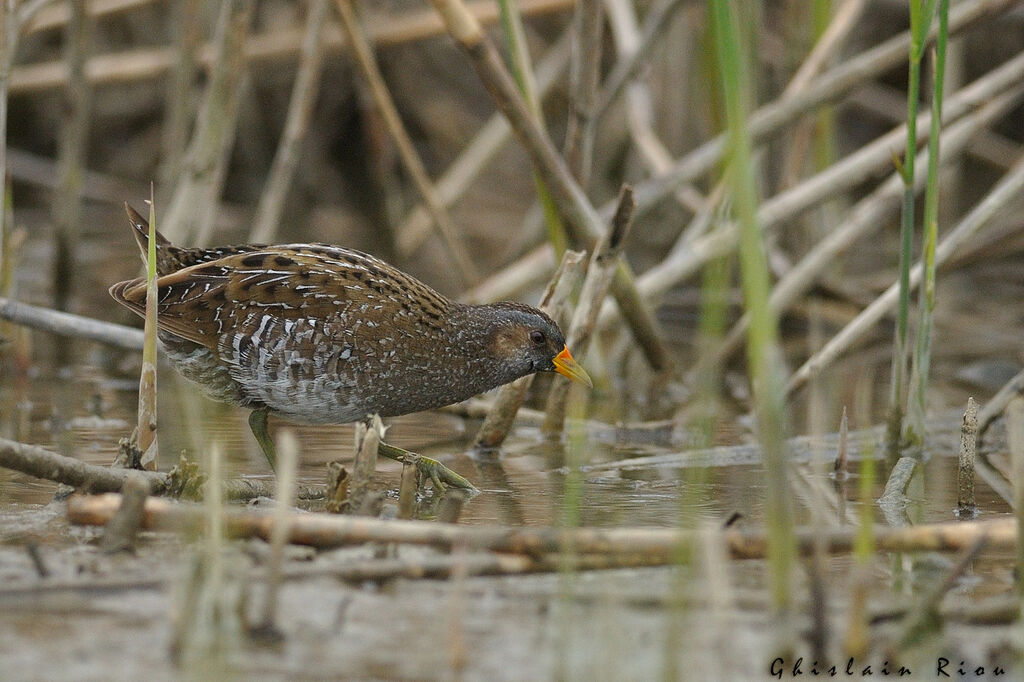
(147, 63)
(193, 205)
(179, 107)
(867, 215)
(407, 492)
(603, 263)
(41, 171)
(300, 111)
(658, 544)
(528, 271)
(584, 68)
(827, 87)
(66, 208)
(581, 219)
(368, 437)
(486, 144)
(51, 15)
(502, 413)
(363, 53)
(74, 326)
(1006, 189)
(863, 165)
(965, 503)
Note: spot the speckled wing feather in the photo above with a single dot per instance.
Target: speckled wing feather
(246, 294)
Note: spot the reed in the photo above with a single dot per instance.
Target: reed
(762, 337)
(914, 432)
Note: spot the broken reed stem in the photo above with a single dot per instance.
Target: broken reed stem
(603, 264)
(965, 504)
(300, 111)
(368, 437)
(287, 467)
(581, 219)
(659, 544)
(1006, 190)
(363, 53)
(147, 417)
(193, 204)
(407, 492)
(554, 302)
(1015, 441)
(71, 158)
(842, 464)
(899, 478)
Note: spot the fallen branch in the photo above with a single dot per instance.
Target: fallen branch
(67, 324)
(657, 544)
(41, 463)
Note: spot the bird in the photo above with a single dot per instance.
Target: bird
(321, 334)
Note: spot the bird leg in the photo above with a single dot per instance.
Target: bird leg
(258, 424)
(425, 467)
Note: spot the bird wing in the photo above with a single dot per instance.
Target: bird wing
(234, 294)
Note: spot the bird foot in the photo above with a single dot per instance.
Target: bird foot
(426, 468)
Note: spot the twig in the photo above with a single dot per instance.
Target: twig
(660, 544)
(363, 53)
(841, 467)
(502, 413)
(42, 463)
(965, 505)
(582, 220)
(602, 267)
(1007, 189)
(149, 63)
(66, 324)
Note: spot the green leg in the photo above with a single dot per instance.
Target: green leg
(258, 424)
(427, 467)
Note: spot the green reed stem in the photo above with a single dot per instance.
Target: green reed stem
(522, 71)
(762, 336)
(147, 439)
(920, 19)
(926, 304)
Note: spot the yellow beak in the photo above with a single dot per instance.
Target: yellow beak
(567, 367)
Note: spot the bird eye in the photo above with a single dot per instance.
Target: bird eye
(538, 338)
